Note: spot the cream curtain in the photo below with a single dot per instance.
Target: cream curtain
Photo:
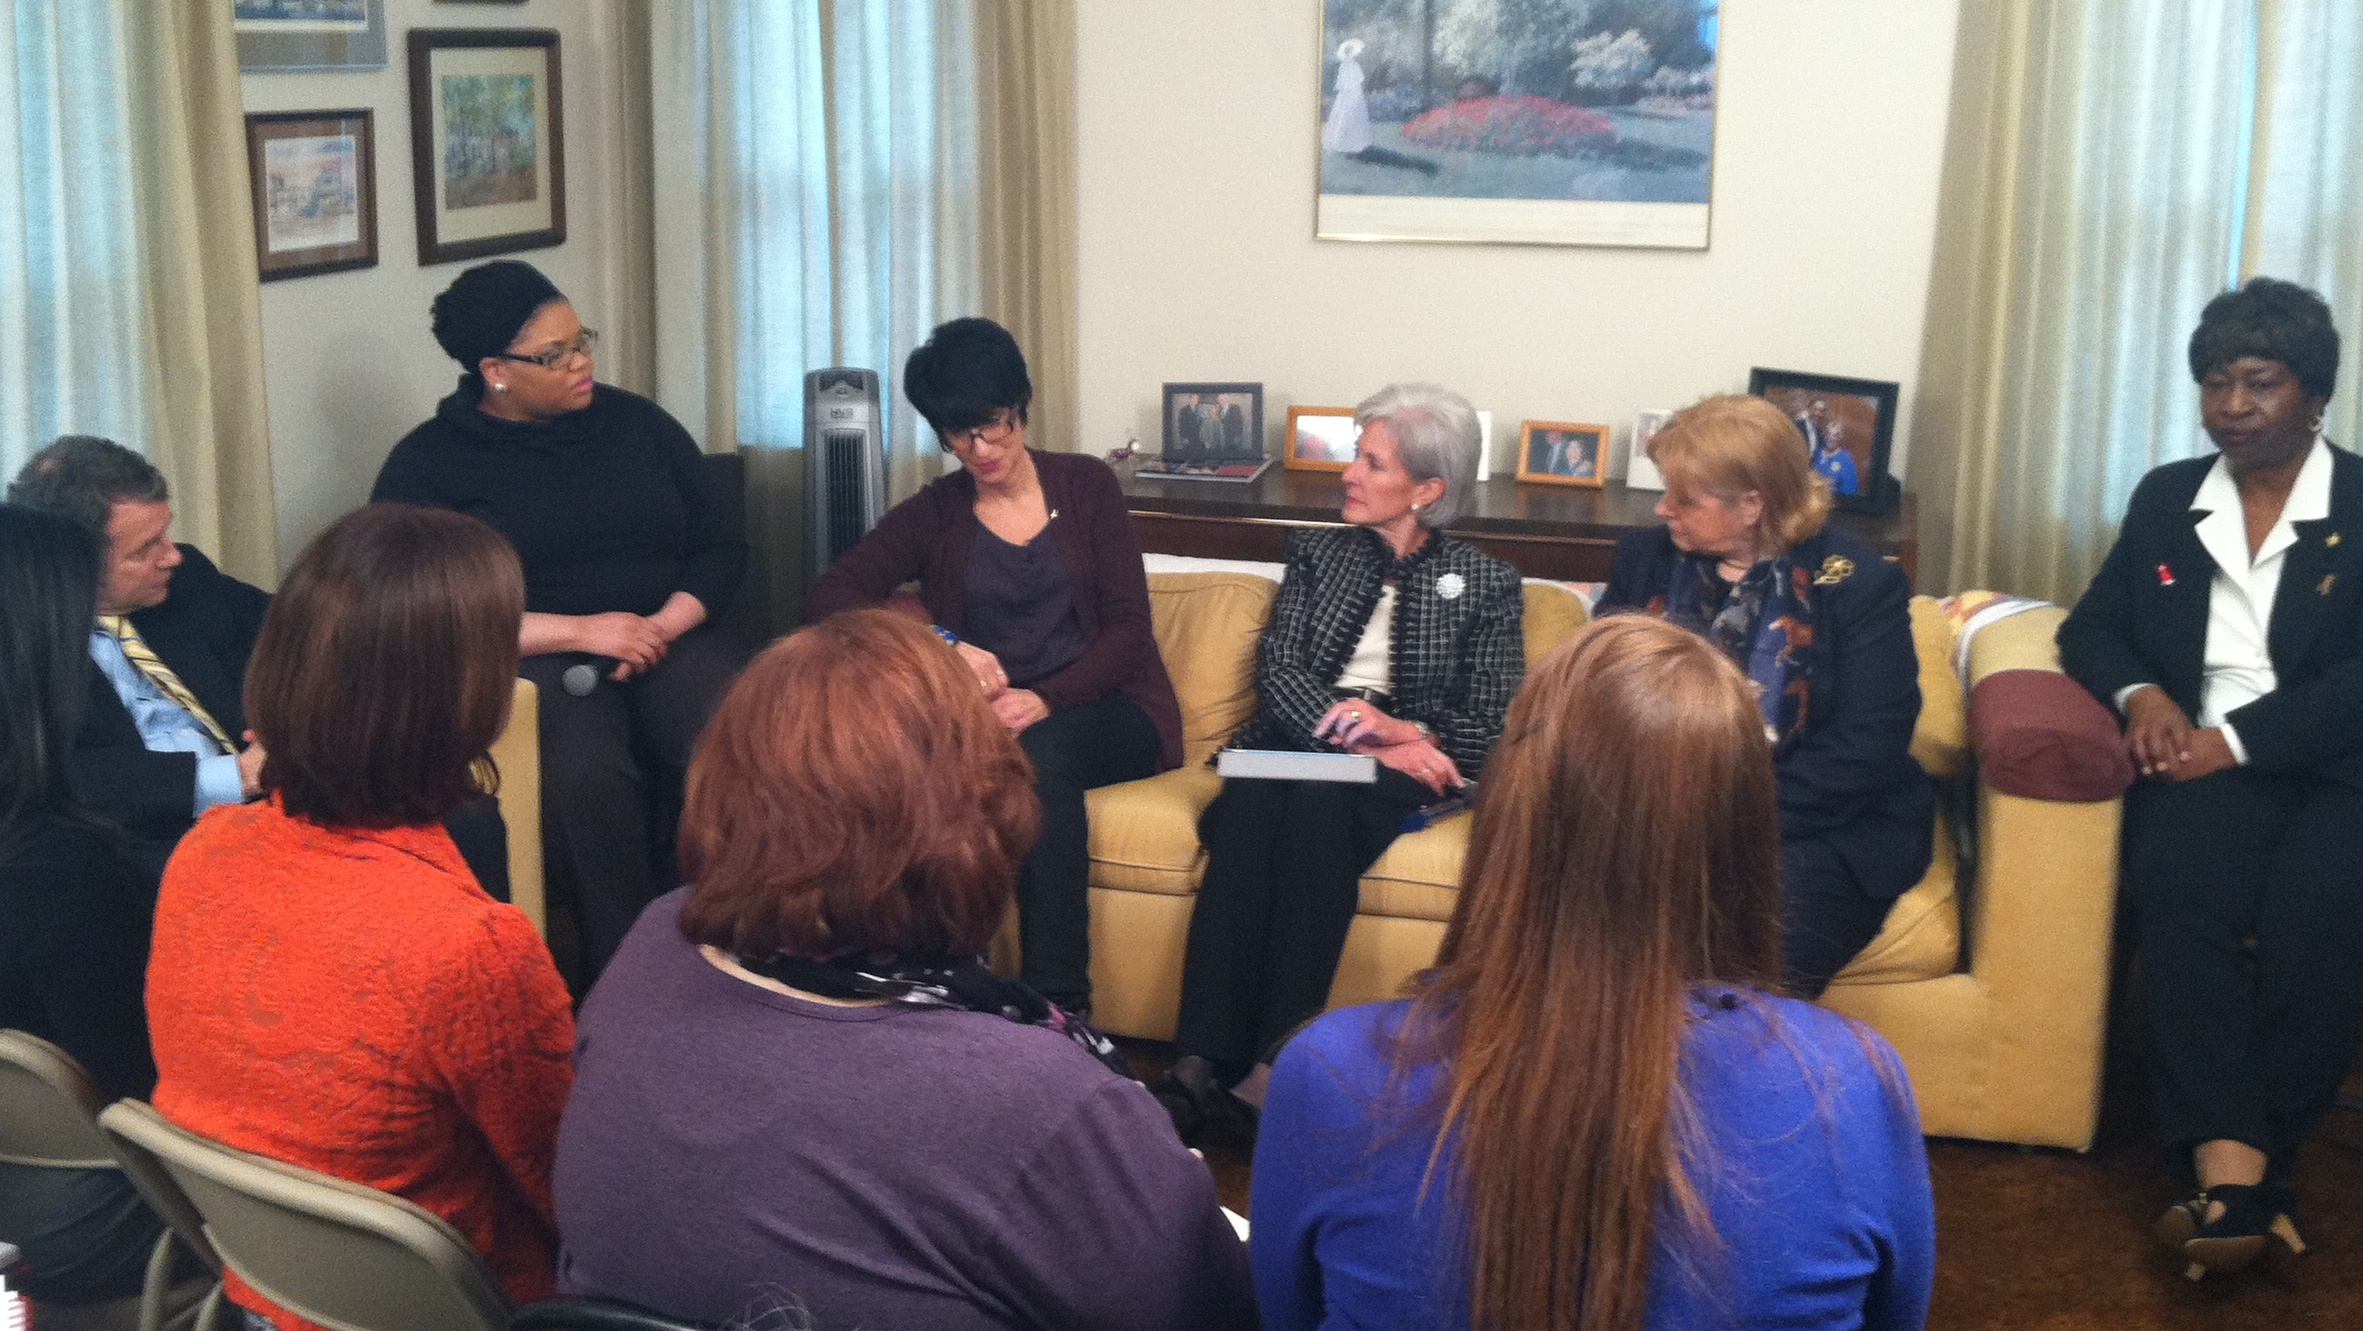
(128, 295)
(835, 178)
(2090, 207)
(209, 433)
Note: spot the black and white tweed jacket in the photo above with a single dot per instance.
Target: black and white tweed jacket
(1459, 651)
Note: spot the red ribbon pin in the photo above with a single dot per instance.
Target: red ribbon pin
(2165, 576)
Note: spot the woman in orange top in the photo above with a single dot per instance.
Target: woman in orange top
(328, 985)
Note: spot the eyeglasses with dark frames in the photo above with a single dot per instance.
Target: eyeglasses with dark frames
(560, 354)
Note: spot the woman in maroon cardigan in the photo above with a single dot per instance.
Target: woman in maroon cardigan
(1030, 567)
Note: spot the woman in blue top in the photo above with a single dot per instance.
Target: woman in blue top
(1595, 1111)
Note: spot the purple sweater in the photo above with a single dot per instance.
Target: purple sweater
(890, 1166)
(927, 537)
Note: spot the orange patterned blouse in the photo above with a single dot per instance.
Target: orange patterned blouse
(351, 1001)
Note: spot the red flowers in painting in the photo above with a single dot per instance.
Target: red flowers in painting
(1517, 126)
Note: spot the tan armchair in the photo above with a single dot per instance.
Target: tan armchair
(2000, 1025)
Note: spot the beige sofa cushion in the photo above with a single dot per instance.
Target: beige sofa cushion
(1144, 834)
(1922, 937)
(1554, 613)
(1206, 626)
(1941, 740)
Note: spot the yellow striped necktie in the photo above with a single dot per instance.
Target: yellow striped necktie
(136, 648)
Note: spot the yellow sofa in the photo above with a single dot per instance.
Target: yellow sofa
(1993, 989)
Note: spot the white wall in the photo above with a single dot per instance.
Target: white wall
(1197, 159)
(349, 366)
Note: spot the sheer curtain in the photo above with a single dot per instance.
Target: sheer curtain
(128, 295)
(2113, 166)
(2093, 194)
(826, 184)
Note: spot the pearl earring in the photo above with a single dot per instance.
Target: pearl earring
(500, 388)
(2316, 427)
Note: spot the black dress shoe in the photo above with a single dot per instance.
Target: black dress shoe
(2232, 1241)
(1187, 1092)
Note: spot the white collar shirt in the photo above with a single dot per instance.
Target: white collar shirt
(2237, 659)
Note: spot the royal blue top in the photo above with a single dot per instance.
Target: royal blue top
(1817, 1181)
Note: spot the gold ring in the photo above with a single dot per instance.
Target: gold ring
(1356, 715)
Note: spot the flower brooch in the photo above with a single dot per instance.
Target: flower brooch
(1451, 585)
(1834, 570)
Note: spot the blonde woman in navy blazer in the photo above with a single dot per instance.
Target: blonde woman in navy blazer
(2225, 626)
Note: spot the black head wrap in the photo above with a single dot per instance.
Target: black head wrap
(479, 314)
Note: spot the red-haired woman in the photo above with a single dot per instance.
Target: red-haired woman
(797, 1077)
(329, 986)
(1594, 1112)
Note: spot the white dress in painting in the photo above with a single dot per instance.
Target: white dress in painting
(1348, 128)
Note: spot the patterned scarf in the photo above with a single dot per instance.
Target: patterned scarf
(1764, 624)
(966, 986)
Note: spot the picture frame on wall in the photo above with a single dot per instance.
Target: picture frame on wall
(1519, 124)
(1849, 429)
(487, 141)
(1320, 439)
(313, 176)
(1563, 453)
(279, 36)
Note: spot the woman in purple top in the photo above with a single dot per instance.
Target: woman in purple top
(1029, 565)
(796, 1079)
(1595, 1111)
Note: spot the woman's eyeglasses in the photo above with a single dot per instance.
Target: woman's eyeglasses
(560, 354)
(991, 432)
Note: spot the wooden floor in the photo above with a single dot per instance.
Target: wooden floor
(2041, 1240)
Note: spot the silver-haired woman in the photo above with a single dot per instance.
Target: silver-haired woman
(1389, 638)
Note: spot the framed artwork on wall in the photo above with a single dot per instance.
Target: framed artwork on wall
(1517, 123)
(314, 179)
(487, 141)
(1563, 453)
(1320, 438)
(1849, 429)
(275, 36)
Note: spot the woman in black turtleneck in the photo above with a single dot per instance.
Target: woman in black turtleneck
(626, 548)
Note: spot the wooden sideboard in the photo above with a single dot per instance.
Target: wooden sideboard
(1548, 531)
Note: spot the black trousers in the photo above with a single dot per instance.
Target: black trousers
(613, 764)
(2247, 896)
(1825, 916)
(1283, 864)
(1074, 749)
(85, 1232)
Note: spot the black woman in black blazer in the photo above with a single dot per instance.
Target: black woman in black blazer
(2243, 851)
(1857, 813)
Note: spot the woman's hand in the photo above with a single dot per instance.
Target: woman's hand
(2209, 753)
(2157, 734)
(1351, 723)
(633, 640)
(1422, 762)
(681, 613)
(987, 669)
(1019, 708)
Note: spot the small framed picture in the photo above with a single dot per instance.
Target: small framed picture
(1216, 423)
(276, 36)
(314, 180)
(1641, 472)
(1849, 426)
(1562, 453)
(487, 141)
(1320, 438)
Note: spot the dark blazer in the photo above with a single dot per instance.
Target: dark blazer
(927, 537)
(2144, 621)
(1849, 778)
(205, 631)
(1456, 662)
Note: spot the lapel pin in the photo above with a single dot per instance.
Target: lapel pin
(2165, 576)
(2323, 587)
(2331, 540)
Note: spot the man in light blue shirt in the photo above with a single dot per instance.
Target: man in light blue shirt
(163, 736)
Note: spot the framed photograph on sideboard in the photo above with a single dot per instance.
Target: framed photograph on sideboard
(1320, 438)
(1563, 453)
(1214, 423)
(1849, 428)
